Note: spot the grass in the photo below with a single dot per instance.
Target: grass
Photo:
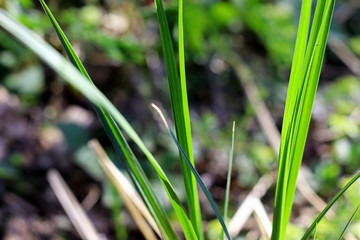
(305, 72)
(304, 77)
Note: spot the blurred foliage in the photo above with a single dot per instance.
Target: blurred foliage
(273, 25)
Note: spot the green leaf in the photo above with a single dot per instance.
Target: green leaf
(196, 174)
(180, 109)
(228, 179)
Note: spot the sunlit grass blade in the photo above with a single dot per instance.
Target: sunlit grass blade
(180, 109)
(228, 179)
(123, 151)
(196, 174)
(72, 76)
(195, 211)
(305, 73)
(64, 41)
(348, 223)
(306, 98)
(331, 203)
(299, 54)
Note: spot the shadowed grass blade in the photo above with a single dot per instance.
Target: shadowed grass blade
(180, 109)
(331, 203)
(228, 179)
(196, 174)
(123, 151)
(72, 76)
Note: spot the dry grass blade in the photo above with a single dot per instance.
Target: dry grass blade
(345, 55)
(263, 115)
(262, 219)
(132, 200)
(245, 210)
(308, 193)
(72, 207)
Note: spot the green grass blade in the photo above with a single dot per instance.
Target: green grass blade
(195, 211)
(72, 76)
(180, 110)
(123, 151)
(299, 54)
(348, 223)
(308, 58)
(307, 93)
(65, 42)
(228, 179)
(196, 174)
(326, 209)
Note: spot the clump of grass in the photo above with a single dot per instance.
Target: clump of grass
(307, 62)
(305, 73)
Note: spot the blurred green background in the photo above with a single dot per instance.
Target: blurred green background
(46, 124)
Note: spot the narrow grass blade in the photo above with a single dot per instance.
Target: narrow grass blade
(348, 223)
(72, 76)
(179, 104)
(331, 203)
(131, 200)
(195, 211)
(65, 42)
(307, 91)
(299, 54)
(72, 207)
(196, 174)
(305, 72)
(307, 96)
(228, 180)
(262, 218)
(123, 151)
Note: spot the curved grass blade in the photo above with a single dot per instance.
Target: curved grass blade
(72, 76)
(122, 149)
(180, 109)
(196, 174)
(331, 203)
(228, 179)
(348, 223)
